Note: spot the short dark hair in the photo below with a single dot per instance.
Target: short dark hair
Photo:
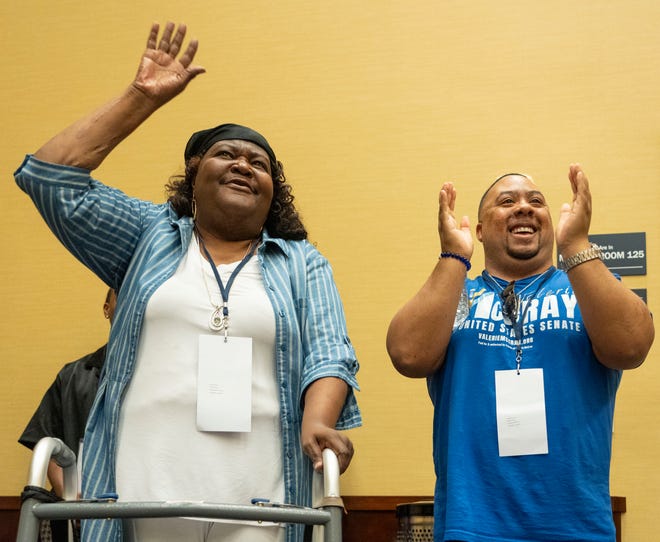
(481, 201)
(282, 221)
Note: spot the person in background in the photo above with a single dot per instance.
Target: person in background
(64, 408)
(523, 363)
(229, 358)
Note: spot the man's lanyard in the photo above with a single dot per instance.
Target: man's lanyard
(224, 291)
(517, 319)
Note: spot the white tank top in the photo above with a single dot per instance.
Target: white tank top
(161, 455)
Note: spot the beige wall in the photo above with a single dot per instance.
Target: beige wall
(371, 105)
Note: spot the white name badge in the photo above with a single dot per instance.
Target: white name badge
(520, 401)
(224, 384)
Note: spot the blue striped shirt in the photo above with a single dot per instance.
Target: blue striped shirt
(134, 246)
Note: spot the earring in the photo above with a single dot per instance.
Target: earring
(193, 207)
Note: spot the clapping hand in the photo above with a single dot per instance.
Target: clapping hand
(455, 236)
(572, 229)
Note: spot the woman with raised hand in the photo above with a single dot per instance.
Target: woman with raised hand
(229, 368)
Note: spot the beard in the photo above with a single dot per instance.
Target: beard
(523, 252)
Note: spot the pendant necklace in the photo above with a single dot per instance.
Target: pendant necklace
(219, 320)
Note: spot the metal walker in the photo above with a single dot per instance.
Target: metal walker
(326, 516)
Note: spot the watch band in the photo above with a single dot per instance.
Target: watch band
(588, 254)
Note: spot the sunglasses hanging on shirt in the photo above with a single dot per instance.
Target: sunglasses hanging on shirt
(511, 305)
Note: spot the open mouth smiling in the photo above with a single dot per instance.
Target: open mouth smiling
(523, 230)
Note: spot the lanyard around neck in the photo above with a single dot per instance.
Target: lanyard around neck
(517, 325)
(224, 290)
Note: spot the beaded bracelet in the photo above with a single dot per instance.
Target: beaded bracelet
(458, 257)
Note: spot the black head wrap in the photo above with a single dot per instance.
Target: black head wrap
(200, 142)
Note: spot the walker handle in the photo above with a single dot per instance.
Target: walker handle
(53, 448)
(330, 474)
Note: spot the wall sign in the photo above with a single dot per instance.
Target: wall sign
(641, 292)
(623, 253)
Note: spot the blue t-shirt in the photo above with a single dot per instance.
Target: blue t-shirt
(559, 496)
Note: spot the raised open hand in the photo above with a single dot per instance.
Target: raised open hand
(161, 75)
(571, 233)
(454, 236)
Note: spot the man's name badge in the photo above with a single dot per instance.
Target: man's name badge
(224, 384)
(520, 402)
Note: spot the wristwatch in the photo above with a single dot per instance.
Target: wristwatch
(591, 253)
